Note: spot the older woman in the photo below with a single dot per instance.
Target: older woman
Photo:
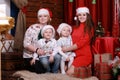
(32, 35)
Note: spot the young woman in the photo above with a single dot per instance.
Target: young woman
(81, 37)
(32, 35)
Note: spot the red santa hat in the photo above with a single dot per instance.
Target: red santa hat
(45, 11)
(48, 27)
(82, 10)
(61, 26)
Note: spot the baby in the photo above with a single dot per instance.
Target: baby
(64, 30)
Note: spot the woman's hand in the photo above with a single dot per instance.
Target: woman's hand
(70, 48)
(70, 70)
(64, 49)
(32, 62)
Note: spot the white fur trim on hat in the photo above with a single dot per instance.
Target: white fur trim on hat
(48, 27)
(82, 10)
(61, 26)
(75, 18)
(43, 11)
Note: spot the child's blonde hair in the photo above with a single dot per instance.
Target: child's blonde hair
(61, 26)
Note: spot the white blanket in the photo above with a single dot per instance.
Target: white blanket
(26, 75)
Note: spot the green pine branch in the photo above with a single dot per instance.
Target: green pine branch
(93, 1)
(70, 0)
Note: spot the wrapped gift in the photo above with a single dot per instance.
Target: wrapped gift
(105, 77)
(102, 58)
(102, 68)
(83, 72)
(118, 77)
(103, 71)
(6, 45)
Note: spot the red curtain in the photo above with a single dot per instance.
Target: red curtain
(116, 14)
(101, 10)
(68, 12)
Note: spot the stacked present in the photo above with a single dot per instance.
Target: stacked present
(98, 58)
(83, 72)
(101, 68)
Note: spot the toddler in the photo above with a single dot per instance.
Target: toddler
(64, 30)
(48, 44)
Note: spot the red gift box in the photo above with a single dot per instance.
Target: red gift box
(103, 71)
(103, 68)
(105, 77)
(83, 72)
(118, 77)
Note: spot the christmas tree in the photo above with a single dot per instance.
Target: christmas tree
(99, 32)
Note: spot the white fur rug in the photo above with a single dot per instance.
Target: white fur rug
(26, 75)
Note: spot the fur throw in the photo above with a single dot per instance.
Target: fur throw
(26, 75)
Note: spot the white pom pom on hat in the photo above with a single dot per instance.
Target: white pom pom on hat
(61, 26)
(44, 11)
(75, 18)
(48, 27)
(82, 10)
